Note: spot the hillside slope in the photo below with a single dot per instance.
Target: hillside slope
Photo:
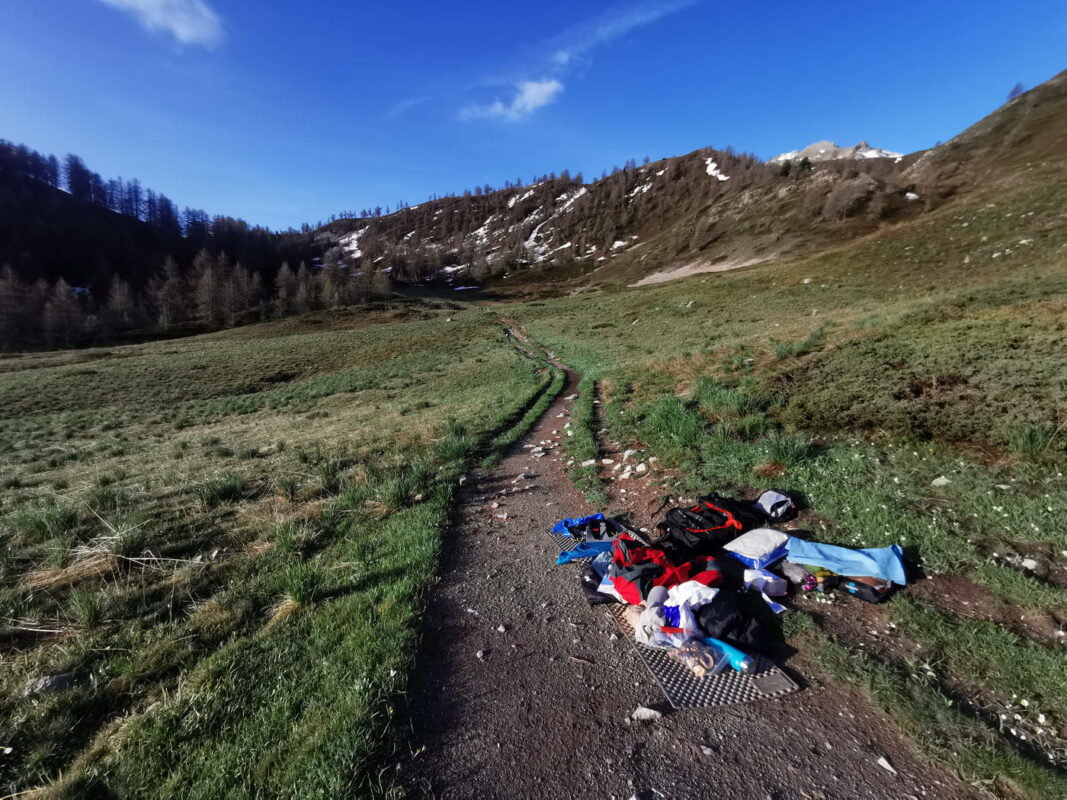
(709, 210)
(708, 205)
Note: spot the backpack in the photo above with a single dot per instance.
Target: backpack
(776, 506)
(705, 527)
(636, 568)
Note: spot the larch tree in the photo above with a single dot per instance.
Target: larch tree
(121, 306)
(19, 327)
(304, 298)
(62, 316)
(284, 290)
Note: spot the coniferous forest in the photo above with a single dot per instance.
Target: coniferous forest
(85, 260)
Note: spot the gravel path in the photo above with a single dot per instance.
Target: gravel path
(523, 690)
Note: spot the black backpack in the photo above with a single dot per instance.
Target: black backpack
(705, 527)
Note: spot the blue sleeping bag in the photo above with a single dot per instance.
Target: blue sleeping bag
(885, 563)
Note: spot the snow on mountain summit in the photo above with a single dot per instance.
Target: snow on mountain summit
(828, 151)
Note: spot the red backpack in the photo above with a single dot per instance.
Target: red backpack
(636, 568)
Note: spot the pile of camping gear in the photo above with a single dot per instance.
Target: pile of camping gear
(699, 586)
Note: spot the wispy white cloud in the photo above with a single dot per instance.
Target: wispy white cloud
(188, 21)
(576, 41)
(555, 58)
(529, 96)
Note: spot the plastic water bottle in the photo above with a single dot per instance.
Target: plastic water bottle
(741, 662)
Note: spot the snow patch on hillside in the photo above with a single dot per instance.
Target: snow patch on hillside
(517, 199)
(569, 202)
(713, 170)
(350, 243)
(482, 234)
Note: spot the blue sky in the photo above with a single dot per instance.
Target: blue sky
(286, 112)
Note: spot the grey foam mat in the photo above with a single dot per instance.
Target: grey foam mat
(684, 689)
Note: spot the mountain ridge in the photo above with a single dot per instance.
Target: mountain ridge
(825, 150)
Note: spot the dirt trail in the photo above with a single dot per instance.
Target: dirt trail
(523, 690)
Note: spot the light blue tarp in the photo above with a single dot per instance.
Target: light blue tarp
(879, 562)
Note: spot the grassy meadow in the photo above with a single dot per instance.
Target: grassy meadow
(225, 540)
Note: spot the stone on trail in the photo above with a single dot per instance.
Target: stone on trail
(607, 461)
(645, 714)
(641, 469)
(886, 765)
(591, 462)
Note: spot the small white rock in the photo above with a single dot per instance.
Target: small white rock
(886, 765)
(644, 714)
(942, 481)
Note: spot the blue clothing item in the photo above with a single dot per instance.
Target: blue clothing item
(673, 615)
(584, 550)
(601, 563)
(564, 525)
(885, 563)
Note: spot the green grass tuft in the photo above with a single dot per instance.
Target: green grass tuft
(302, 582)
(85, 608)
(1032, 441)
(788, 449)
(228, 489)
